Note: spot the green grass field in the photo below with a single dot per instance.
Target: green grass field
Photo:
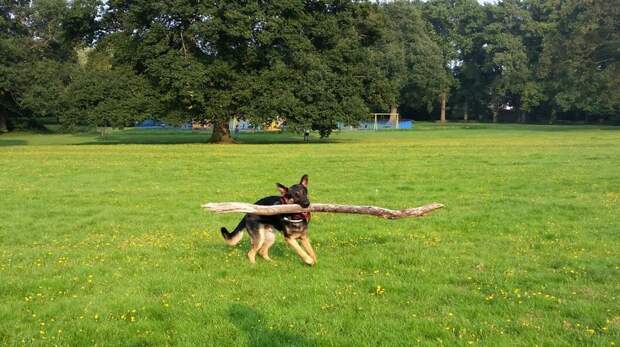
(103, 242)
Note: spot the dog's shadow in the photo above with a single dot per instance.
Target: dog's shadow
(277, 251)
(259, 332)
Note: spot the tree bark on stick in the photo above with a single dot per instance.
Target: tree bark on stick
(229, 207)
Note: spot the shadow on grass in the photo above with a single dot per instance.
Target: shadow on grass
(253, 324)
(148, 139)
(12, 142)
(281, 138)
(156, 137)
(515, 126)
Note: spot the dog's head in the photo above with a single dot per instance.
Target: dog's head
(295, 194)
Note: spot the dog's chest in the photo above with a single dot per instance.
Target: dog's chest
(293, 229)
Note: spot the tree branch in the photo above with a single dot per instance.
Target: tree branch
(183, 46)
(229, 207)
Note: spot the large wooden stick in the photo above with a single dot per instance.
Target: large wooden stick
(229, 207)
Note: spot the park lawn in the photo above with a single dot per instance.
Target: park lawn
(103, 242)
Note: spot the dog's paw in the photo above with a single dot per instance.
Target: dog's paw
(309, 261)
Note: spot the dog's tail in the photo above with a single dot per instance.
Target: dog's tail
(233, 238)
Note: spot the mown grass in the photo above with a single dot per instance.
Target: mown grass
(102, 242)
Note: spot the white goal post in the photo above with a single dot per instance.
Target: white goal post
(393, 117)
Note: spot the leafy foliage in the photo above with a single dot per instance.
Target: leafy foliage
(311, 64)
(38, 41)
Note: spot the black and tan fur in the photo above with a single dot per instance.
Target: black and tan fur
(262, 229)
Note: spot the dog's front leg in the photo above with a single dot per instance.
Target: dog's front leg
(305, 243)
(257, 244)
(302, 254)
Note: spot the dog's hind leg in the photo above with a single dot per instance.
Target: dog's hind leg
(305, 243)
(257, 243)
(302, 254)
(270, 238)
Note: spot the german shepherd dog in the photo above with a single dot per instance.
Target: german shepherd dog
(262, 228)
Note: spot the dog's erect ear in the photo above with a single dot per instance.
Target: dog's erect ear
(304, 181)
(282, 188)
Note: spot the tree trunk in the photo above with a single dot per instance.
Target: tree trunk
(466, 114)
(552, 117)
(442, 116)
(3, 122)
(495, 112)
(221, 132)
(394, 115)
(228, 207)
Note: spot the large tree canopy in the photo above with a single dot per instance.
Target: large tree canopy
(38, 42)
(300, 61)
(312, 64)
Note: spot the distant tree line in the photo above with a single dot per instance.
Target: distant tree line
(313, 63)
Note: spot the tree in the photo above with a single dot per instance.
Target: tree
(107, 98)
(580, 60)
(470, 96)
(407, 65)
(443, 17)
(507, 64)
(14, 42)
(37, 44)
(311, 64)
(294, 60)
